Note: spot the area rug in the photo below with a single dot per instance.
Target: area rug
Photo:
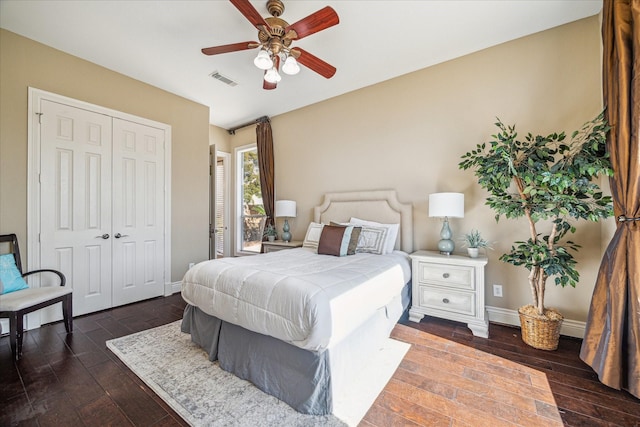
(204, 395)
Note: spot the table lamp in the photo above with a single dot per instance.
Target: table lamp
(286, 209)
(446, 205)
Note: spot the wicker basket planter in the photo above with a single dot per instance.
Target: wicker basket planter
(541, 332)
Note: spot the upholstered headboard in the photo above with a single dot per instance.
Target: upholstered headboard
(380, 206)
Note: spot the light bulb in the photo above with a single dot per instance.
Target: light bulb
(263, 60)
(272, 76)
(291, 66)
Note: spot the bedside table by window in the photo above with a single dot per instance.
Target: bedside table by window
(279, 245)
(450, 287)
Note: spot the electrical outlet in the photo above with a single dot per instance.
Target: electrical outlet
(497, 290)
(191, 264)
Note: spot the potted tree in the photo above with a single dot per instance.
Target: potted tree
(544, 178)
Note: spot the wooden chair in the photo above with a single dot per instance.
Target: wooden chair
(15, 305)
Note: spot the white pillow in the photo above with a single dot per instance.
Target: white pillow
(372, 240)
(311, 239)
(392, 232)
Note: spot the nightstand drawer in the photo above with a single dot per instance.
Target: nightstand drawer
(454, 276)
(269, 248)
(448, 299)
(279, 245)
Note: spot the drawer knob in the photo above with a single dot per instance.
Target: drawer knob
(445, 275)
(445, 300)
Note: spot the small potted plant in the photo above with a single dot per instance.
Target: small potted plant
(474, 241)
(270, 232)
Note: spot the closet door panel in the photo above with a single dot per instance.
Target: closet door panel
(75, 204)
(138, 211)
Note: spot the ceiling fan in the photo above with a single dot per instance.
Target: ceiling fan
(275, 36)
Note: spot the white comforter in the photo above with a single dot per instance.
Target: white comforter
(311, 301)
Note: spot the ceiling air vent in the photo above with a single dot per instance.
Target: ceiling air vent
(224, 79)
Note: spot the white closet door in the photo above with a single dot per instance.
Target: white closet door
(75, 203)
(138, 212)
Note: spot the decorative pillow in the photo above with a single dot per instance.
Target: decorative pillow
(372, 240)
(334, 240)
(355, 236)
(392, 233)
(10, 278)
(312, 237)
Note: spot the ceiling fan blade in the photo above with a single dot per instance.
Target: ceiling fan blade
(318, 21)
(249, 12)
(265, 84)
(268, 86)
(314, 63)
(216, 50)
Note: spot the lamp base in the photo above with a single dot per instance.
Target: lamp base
(446, 245)
(286, 236)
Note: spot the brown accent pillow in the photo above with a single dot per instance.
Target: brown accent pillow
(334, 240)
(355, 236)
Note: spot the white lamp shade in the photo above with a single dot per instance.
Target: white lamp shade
(263, 61)
(286, 208)
(446, 205)
(272, 76)
(291, 66)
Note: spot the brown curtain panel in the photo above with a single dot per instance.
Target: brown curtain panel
(612, 340)
(265, 163)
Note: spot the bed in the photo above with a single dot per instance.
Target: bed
(302, 331)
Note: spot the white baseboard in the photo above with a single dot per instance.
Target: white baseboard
(571, 328)
(172, 288)
(176, 287)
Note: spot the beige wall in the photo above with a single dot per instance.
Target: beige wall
(25, 63)
(220, 138)
(408, 134)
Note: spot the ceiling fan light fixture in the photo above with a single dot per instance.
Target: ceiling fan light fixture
(272, 76)
(290, 66)
(263, 60)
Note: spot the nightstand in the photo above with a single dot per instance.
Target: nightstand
(279, 245)
(450, 287)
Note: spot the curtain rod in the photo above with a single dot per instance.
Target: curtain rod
(262, 119)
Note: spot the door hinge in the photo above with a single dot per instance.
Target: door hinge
(39, 118)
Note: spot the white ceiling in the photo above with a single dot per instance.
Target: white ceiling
(159, 42)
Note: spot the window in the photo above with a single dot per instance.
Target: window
(251, 216)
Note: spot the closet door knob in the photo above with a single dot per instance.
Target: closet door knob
(445, 300)
(118, 235)
(445, 275)
(105, 236)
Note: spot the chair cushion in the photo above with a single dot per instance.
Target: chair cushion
(10, 278)
(28, 297)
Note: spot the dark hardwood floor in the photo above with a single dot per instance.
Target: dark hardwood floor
(448, 378)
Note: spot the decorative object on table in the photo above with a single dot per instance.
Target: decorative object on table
(446, 205)
(270, 232)
(474, 241)
(554, 182)
(286, 209)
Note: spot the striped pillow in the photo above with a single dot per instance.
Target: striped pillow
(355, 236)
(334, 240)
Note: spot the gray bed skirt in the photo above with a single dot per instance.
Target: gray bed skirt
(296, 376)
(305, 380)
